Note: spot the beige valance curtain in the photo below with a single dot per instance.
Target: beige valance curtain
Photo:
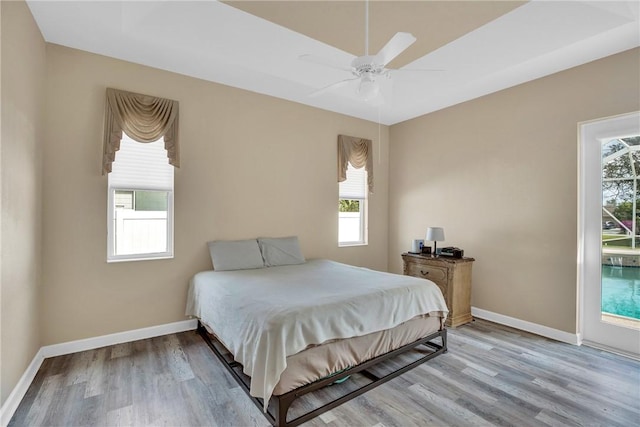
(144, 118)
(358, 152)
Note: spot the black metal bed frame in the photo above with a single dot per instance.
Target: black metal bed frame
(280, 404)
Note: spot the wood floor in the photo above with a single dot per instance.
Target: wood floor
(492, 375)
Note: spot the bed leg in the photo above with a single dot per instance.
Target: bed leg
(281, 408)
(444, 340)
(283, 403)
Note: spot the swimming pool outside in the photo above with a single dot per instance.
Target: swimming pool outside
(621, 291)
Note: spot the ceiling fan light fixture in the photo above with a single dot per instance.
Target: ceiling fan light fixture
(368, 89)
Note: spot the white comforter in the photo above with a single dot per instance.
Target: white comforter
(264, 315)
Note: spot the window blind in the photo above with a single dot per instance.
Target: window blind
(355, 186)
(141, 166)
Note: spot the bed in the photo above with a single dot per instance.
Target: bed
(283, 331)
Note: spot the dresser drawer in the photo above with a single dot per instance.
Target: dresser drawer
(433, 273)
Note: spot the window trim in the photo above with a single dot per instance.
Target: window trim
(364, 212)
(111, 257)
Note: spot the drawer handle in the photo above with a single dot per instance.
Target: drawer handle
(424, 273)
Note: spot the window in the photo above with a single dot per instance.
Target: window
(352, 208)
(140, 202)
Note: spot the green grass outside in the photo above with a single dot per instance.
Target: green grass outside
(609, 240)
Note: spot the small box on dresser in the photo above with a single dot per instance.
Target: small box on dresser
(453, 277)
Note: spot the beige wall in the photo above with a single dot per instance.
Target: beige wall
(23, 65)
(252, 166)
(499, 173)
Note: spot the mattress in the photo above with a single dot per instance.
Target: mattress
(265, 316)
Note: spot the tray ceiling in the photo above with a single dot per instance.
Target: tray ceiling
(480, 46)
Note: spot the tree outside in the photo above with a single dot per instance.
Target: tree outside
(349, 205)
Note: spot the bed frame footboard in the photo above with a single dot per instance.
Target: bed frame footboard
(279, 405)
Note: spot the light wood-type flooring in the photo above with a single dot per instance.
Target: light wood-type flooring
(492, 375)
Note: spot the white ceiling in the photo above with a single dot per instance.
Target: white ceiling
(222, 43)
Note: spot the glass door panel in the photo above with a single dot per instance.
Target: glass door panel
(620, 273)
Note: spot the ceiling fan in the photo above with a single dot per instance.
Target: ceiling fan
(368, 69)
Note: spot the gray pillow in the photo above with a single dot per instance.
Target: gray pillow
(235, 254)
(280, 251)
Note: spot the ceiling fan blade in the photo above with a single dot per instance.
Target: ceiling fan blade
(394, 47)
(332, 86)
(326, 62)
(417, 73)
(417, 70)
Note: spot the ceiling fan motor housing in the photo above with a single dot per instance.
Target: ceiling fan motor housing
(363, 65)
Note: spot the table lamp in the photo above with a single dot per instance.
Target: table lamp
(435, 234)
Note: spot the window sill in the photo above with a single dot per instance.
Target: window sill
(349, 245)
(142, 258)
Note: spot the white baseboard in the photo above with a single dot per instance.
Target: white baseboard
(11, 404)
(523, 325)
(118, 338)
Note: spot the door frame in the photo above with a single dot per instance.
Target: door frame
(592, 330)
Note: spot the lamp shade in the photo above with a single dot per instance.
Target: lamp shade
(435, 234)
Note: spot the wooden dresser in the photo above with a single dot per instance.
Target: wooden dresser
(453, 277)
